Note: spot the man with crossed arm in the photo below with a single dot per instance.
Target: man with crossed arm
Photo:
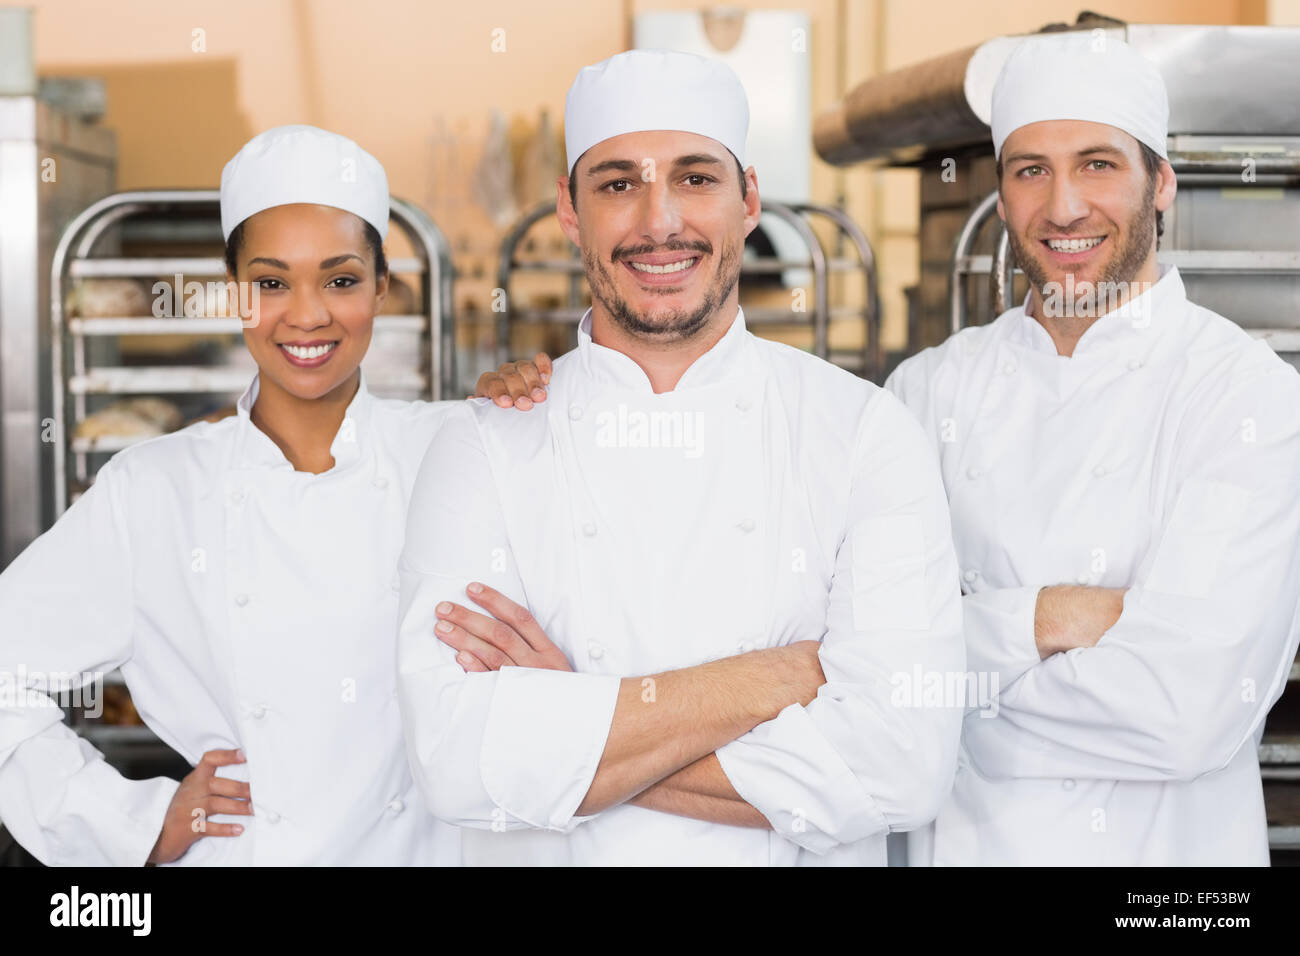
(1123, 468)
(690, 513)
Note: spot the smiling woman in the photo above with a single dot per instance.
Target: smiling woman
(241, 573)
(321, 278)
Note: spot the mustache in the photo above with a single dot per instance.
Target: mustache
(673, 245)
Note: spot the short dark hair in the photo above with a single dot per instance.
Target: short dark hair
(373, 241)
(573, 185)
(1150, 162)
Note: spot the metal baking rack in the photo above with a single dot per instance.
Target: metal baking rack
(75, 377)
(867, 362)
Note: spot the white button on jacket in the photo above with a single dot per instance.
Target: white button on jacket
(848, 541)
(247, 605)
(1141, 750)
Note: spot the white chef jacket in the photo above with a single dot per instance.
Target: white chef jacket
(1162, 457)
(795, 502)
(248, 605)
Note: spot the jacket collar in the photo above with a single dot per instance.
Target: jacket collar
(1139, 322)
(255, 449)
(607, 366)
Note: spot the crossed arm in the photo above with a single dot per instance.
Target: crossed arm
(531, 746)
(658, 757)
(1172, 676)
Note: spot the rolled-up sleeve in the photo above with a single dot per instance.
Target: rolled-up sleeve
(512, 749)
(66, 615)
(876, 750)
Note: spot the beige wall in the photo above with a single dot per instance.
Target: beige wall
(387, 71)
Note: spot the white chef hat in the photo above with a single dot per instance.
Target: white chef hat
(1081, 76)
(293, 164)
(655, 89)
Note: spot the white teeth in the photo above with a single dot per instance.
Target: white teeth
(670, 267)
(1073, 245)
(310, 352)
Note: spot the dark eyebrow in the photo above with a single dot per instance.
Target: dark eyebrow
(329, 263)
(613, 165)
(1101, 148)
(273, 263)
(697, 159)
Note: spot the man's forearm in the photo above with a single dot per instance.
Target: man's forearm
(701, 791)
(664, 722)
(1068, 616)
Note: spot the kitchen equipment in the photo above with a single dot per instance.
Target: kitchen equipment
(51, 165)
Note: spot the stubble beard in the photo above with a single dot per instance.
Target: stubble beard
(677, 325)
(1119, 269)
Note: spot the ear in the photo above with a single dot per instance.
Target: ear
(753, 202)
(564, 211)
(381, 289)
(1002, 210)
(1166, 186)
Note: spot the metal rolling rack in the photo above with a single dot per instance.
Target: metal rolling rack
(1279, 751)
(868, 362)
(75, 378)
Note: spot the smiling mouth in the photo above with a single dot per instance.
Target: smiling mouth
(651, 268)
(1073, 245)
(315, 353)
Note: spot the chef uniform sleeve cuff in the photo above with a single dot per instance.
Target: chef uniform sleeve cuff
(106, 819)
(787, 770)
(999, 629)
(544, 737)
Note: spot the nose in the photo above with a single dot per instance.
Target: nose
(307, 310)
(661, 213)
(1067, 204)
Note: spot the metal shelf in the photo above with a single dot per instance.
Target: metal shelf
(1284, 838)
(1280, 340)
(1280, 750)
(1212, 261)
(196, 379)
(106, 445)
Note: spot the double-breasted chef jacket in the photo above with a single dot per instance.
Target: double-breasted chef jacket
(247, 605)
(768, 498)
(1163, 457)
